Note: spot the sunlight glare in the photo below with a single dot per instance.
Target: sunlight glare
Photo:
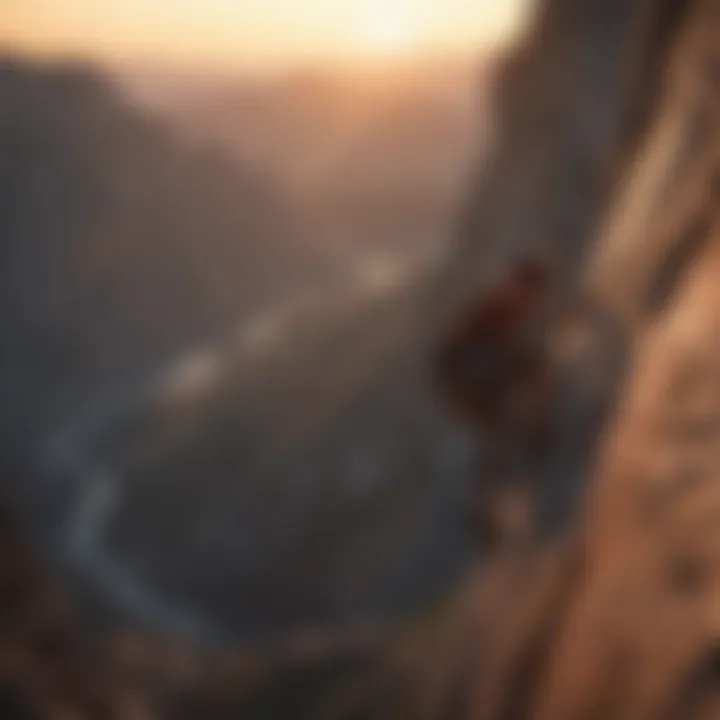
(386, 31)
(257, 32)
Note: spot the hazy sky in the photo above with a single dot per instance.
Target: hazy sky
(242, 31)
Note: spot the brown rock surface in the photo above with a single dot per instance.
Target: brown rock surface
(619, 616)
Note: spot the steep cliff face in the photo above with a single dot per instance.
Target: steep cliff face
(572, 100)
(618, 617)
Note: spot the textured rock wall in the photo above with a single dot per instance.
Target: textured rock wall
(608, 162)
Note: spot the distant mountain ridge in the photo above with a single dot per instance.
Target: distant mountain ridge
(210, 457)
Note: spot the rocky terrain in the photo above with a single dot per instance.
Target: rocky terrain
(348, 598)
(613, 615)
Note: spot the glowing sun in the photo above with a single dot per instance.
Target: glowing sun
(386, 32)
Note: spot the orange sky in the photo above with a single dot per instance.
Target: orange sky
(237, 32)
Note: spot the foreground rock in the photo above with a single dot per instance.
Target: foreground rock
(618, 617)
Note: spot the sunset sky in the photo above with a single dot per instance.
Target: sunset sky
(238, 32)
